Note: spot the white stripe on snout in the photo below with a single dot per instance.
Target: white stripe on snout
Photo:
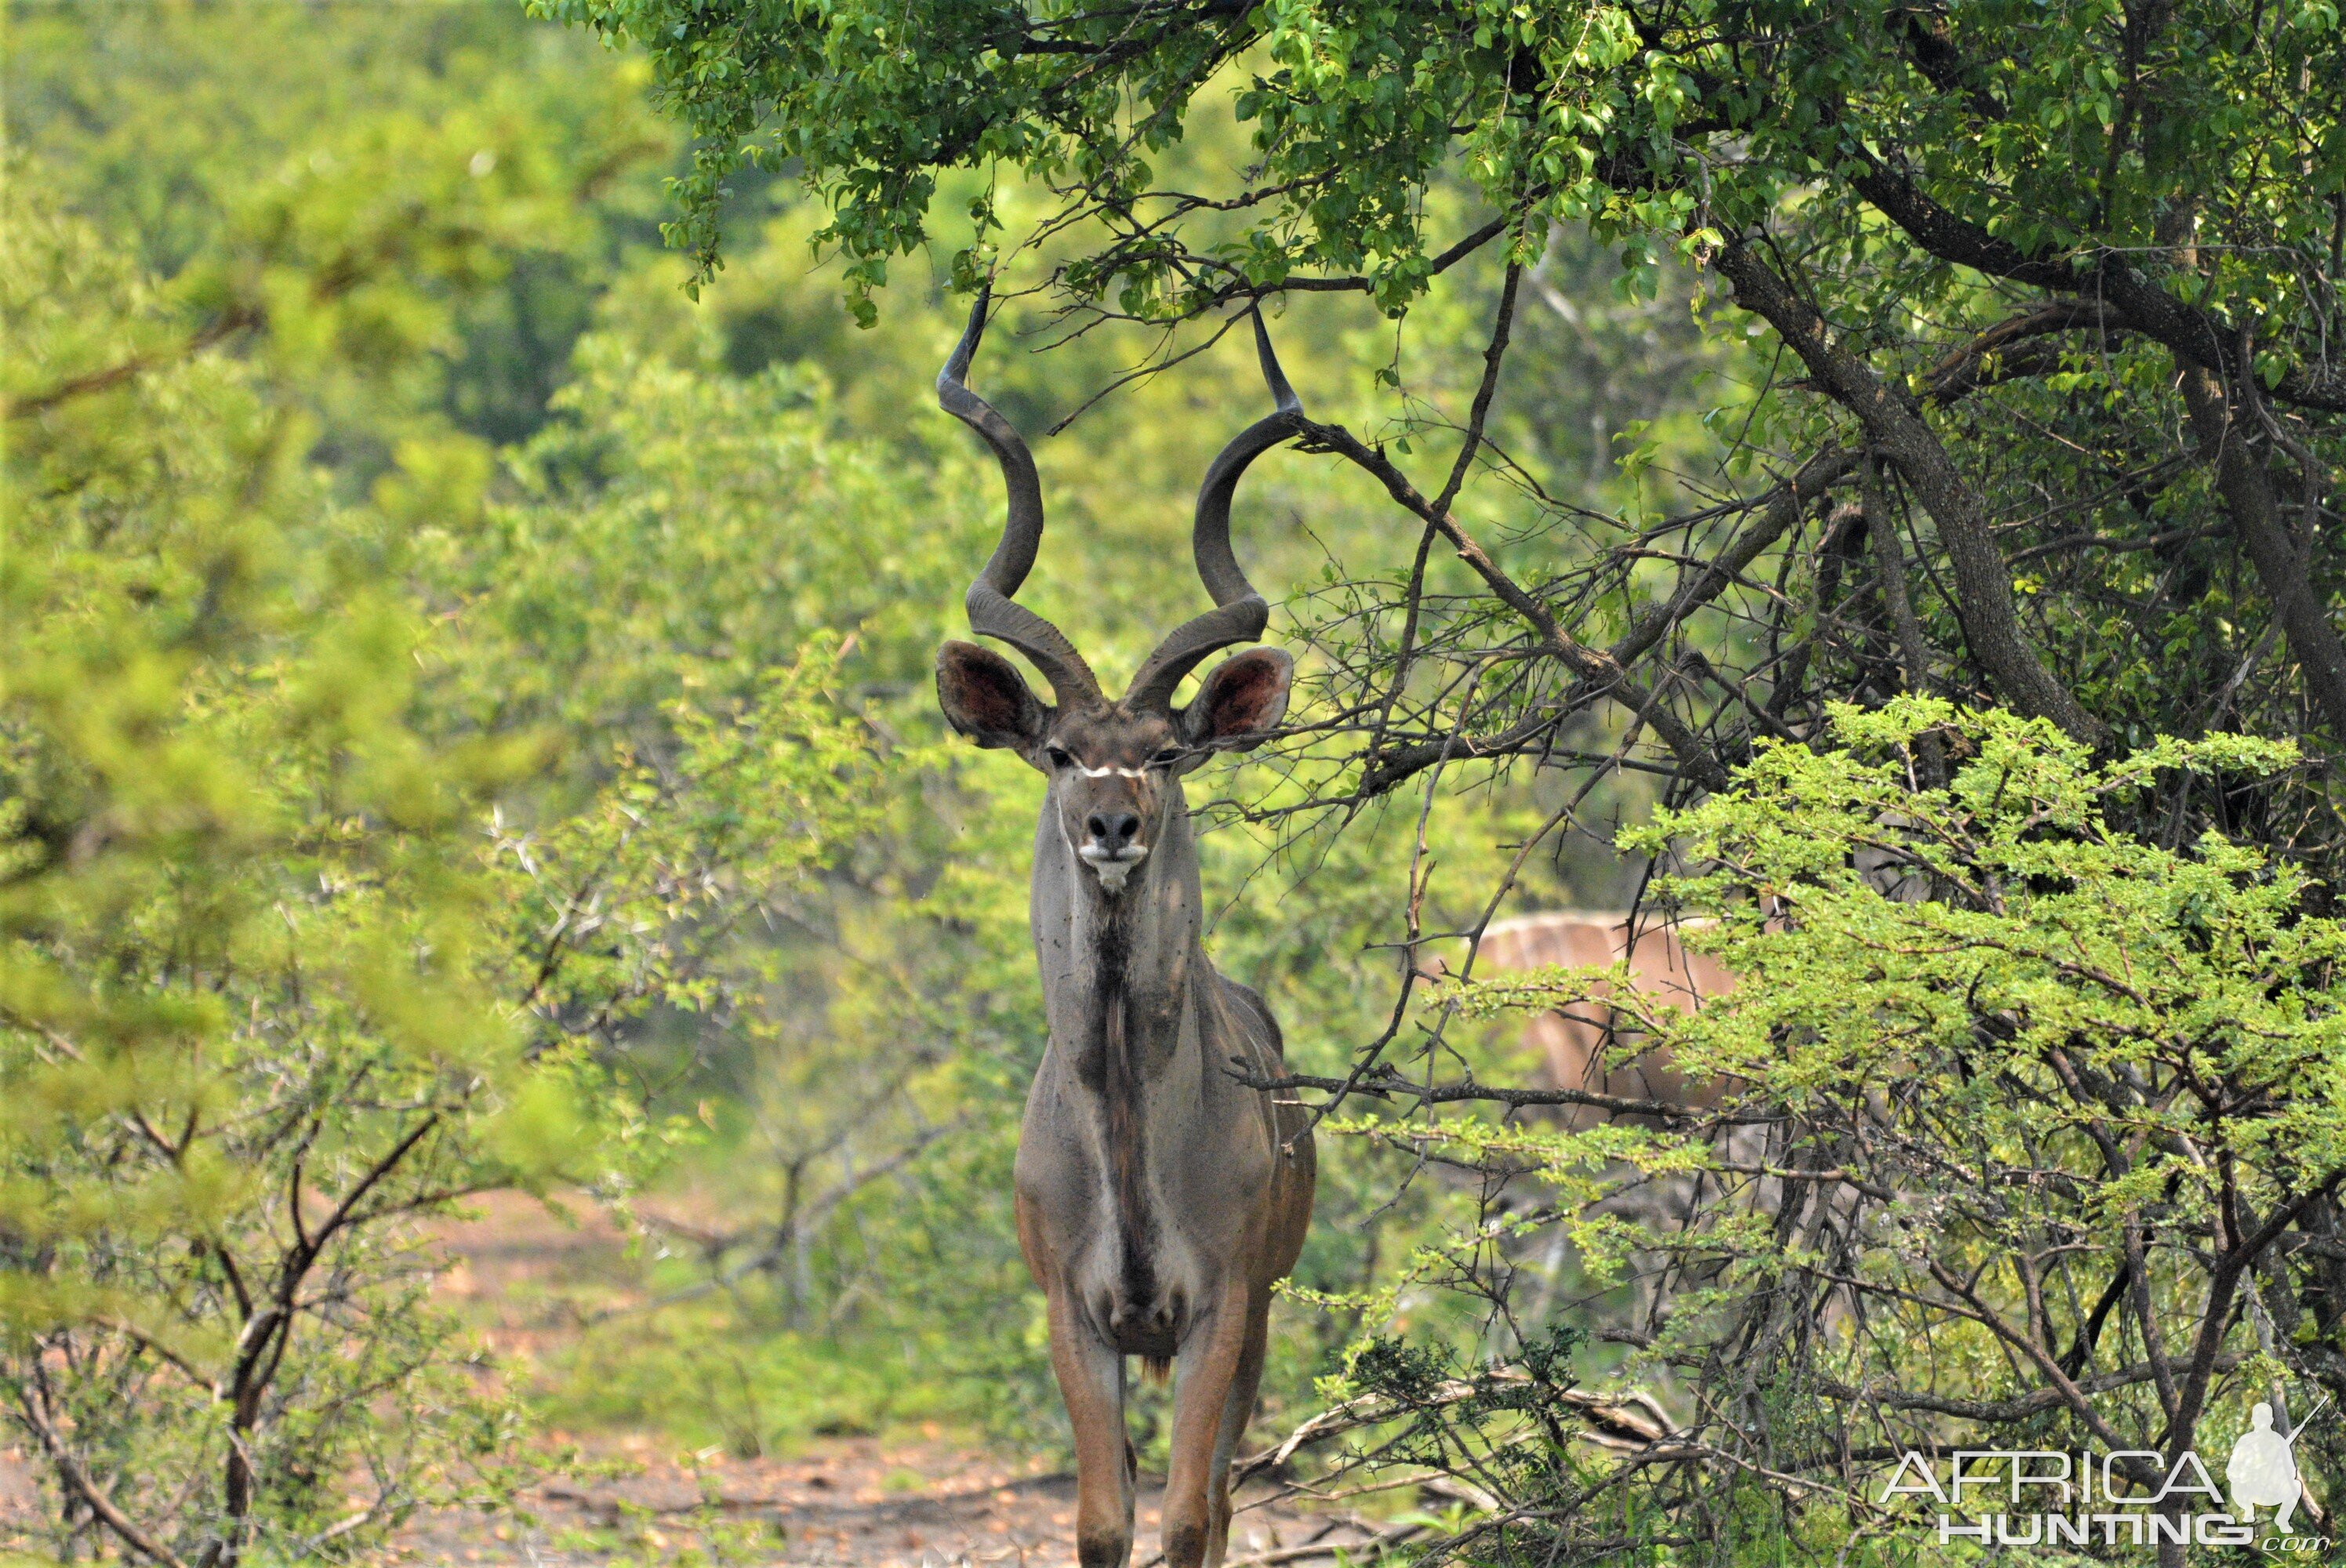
(1119, 772)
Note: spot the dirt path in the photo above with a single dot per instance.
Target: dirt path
(872, 1502)
(914, 1503)
(847, 1501)
(857, 1501)
(854, 1501)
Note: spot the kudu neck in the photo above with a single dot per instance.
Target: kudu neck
(1123, 965)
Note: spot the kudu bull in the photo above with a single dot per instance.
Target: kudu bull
(1158, 1197)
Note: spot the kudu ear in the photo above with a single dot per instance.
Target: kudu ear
(1241, 702)
(986, 698)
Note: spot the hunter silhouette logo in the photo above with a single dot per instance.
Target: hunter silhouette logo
(2263, 1466)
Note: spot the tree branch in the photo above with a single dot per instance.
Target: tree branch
(1782, 508)
(1982, 582)
(1598, 669)
(2195, 334)
(1965, 369)
(1386, 1084)
(2246, 486)
(78, 1479)
(227, 325)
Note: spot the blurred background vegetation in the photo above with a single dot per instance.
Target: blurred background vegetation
(468, 725)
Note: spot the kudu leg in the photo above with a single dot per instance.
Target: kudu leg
(1237, 1411)
(1205, 1374)
(1091, 1385)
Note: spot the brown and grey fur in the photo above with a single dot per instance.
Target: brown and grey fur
(1578, 1042)
(1158, 1197)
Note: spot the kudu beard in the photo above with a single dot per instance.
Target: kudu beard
(1111, 1071)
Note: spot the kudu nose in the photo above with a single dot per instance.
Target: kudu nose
(1112, 831)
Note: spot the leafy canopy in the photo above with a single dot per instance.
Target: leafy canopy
(2035, 127)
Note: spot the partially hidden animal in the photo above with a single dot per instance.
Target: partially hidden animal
(1159, 1197)
(1578, 1042)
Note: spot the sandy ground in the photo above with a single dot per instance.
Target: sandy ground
(856, 1502)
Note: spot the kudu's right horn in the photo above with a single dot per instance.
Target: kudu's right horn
(1239, 612)
(991, 612)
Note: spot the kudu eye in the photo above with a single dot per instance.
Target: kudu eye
(1167, 757)
(1057, 756)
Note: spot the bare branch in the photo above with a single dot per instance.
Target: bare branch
(1990, 624)
(32, 1399)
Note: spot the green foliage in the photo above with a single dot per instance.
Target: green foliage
(250, 1013)
(2003, 1075)
(2046, 230)
(1572, 111)
(2057, 951)
(415, 202)
(299, 945)
(628, 606)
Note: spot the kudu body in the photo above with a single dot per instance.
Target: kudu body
(1158, 1197)
(1578, 1040)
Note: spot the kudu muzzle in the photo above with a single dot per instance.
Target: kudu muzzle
(1112, 845)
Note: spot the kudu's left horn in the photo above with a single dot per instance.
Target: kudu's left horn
(1239, 612)
(991, 612)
